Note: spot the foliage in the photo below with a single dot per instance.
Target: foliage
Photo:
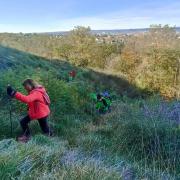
(81, 49)
(162, 75)
(127, 55)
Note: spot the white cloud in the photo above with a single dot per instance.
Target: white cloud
(16, 28)
(135, 17)
(104, 23)
(141, 17)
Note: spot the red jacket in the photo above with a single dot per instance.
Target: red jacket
(37, 107)
(72, 74)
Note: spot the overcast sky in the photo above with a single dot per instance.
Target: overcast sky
(61, 15)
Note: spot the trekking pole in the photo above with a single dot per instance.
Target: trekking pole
(49, 119)
(10, 115)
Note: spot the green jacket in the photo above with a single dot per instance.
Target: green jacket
(101, 106)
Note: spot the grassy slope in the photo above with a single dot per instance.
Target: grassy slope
(39, 156)
(137, 138)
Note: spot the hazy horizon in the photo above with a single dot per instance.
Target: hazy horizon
(133, 29)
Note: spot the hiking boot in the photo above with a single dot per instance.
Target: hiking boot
(23, 139)
(49, 134)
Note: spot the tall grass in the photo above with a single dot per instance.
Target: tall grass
(141, 134)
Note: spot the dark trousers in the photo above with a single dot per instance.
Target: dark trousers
(42, 122)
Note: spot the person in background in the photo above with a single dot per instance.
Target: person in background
(38, 103)
(101, 104)
(72, 75)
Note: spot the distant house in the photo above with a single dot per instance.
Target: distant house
(100, 40)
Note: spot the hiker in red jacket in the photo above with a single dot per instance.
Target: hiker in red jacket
(38, 102)
(72, 75)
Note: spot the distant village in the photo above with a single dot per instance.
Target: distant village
(102, 36)
(113, 36)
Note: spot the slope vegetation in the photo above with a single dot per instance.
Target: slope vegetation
(139, 139)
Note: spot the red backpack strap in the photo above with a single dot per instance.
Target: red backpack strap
(46, 97)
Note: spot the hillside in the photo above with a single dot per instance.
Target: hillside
(149, 61)
(138, 139)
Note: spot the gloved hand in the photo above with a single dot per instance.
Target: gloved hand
(10, 91)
